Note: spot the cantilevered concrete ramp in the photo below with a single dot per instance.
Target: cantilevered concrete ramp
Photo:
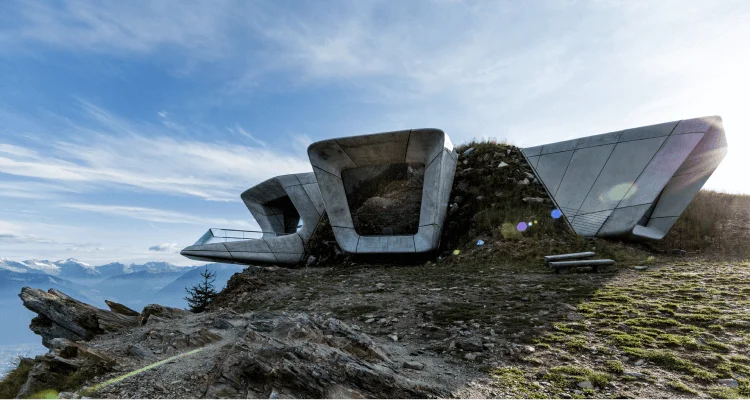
(279, 205)
(631, 184)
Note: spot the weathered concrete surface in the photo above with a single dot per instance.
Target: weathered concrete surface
(430, 147)
(277, 205)
(631, 184)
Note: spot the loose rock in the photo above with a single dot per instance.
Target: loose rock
(574, 317)
(732, 383)
(585, 385)
(413, 365)
(471, 344)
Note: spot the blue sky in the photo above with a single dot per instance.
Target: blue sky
(129, 128)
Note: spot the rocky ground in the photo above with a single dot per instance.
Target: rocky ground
(486, 321)
(454, 328)
(675, 329)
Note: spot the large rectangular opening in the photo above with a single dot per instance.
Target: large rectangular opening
(289, 218)
(385, 199)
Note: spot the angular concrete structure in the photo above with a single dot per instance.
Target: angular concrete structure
(336, 162)
(631, 184)
(279, 205)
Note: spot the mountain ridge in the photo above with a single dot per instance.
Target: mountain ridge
(72, 268)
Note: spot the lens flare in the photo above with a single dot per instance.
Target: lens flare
(95, 388)
(556, 213)
(521, 227)
(619, 192)
(456, 252)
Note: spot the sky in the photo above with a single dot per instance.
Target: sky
(127, 129)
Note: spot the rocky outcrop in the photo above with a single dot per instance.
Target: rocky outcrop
(303, 356)
(121, 309)
(156, 312)
(64, 366)
(61, 316)
(221, 354)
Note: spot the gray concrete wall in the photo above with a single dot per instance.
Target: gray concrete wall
(430, 147)
(277, 244)
(633, 183)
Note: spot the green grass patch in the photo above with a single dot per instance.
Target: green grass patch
(681, 387)
(740, 358)
(615, 366)
(574, 374)
(724, 393)
(630, 340)
(513, 379)
(670, 339)
(669, 360)
(12, 382)
(652, 322)
(576, 343)
(718, 346)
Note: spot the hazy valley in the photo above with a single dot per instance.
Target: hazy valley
(133, 285)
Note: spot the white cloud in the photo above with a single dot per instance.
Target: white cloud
(34, 190)
(164, 247)
(237, 129)
(117, 27)
(11, 238)
(87, 248)
(153, 162)
(157, 215)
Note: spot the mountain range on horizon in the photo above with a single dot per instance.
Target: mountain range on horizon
(134, 285)
(72, 268)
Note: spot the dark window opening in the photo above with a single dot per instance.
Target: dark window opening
(385, 199)
(289, 216)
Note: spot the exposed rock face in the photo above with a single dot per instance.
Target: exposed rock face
(66, 361)
(304, 356)
(61, 316)
(156, 312)
(256, 355)
(121, 309)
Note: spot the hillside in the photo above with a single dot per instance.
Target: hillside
(470, 320)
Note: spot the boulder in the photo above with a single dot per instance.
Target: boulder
(471, 344)
(303, 356)
(156, 311)
(141, 353)
(66, 361)
(121, 309)
(61, 316)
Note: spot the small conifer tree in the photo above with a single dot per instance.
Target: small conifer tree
(202, 294)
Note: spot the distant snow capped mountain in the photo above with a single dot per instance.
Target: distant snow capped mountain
(157, 267)
(42, 265)
(112, 269)
(17, 267)
(132, 285)
(74, 269)
(12, 282)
